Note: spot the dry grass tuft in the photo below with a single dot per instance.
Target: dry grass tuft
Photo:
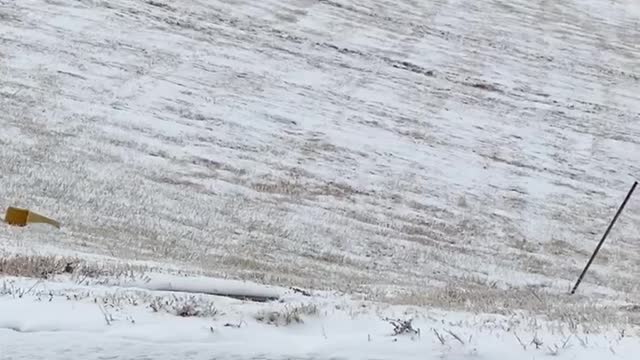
(403, 327)
(190, 306)
(42, 267)
(575, 311)
(83, 272)
(289, 315)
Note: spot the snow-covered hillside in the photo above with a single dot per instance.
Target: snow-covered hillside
(450, 153)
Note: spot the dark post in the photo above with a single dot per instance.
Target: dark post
(604, 237)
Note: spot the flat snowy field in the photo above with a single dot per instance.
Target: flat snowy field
(449, 154)
(78, 319)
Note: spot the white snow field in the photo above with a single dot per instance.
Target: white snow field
(457, 155)
(87, 320)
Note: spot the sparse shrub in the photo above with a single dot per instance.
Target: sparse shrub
(42, 267)
(287, 316)
(106, 274)
(278, 318)
(46, 267)
(403, 327)
(184, 306)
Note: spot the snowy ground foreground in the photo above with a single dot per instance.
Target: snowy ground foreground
(64, 320)
(476, 150)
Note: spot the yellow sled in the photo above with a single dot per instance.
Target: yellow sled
(22, 217)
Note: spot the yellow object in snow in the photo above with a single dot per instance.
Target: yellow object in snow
(22, 217)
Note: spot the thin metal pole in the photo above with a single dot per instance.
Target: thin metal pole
(604, 237)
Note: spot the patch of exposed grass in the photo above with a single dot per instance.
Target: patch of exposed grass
(48, 266)
(287, 316)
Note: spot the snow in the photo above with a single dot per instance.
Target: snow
(449, 154)
(204, 285)
(39, 325)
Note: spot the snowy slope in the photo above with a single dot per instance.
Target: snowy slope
(450, 153)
